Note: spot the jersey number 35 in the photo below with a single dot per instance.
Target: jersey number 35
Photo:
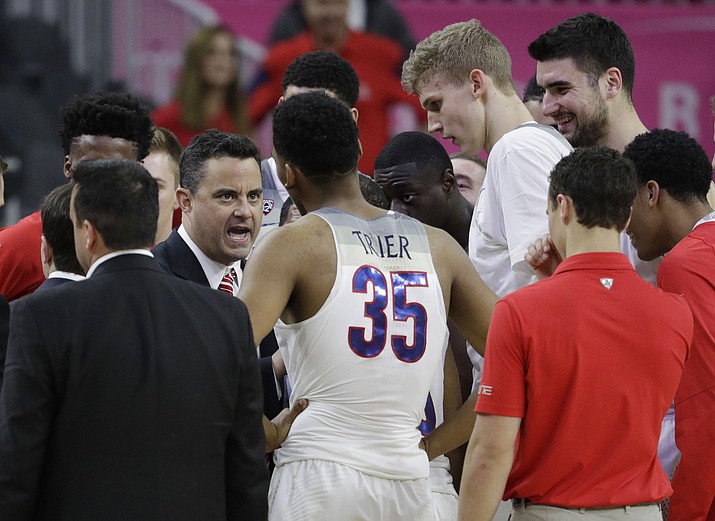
(402, 311)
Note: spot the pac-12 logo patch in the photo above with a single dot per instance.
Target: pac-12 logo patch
(267, 206)
(607, 282)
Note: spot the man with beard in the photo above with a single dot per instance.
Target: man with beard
(586, 68)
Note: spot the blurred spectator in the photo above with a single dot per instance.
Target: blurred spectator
(208, 94)
(372, 16)
(376, 60)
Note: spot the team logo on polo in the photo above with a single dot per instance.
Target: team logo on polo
(267, 206)
(607, 282)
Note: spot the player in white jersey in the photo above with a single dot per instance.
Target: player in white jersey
(363, 296)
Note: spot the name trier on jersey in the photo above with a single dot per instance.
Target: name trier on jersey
(390, 246)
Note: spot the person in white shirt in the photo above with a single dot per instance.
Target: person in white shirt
(462, 75)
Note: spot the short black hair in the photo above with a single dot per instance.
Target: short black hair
(601, 183)
(58, 229)
(317, 134)
(373, 192)
(212, 144)
(120, 199)
(593, 42)
(533, 91)
(324, 70)
(674, 160)
(116, 115)
(428, 155)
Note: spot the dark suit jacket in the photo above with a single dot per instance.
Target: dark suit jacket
(177, 258)
(52, 283)
(131, 395)
(4, 331)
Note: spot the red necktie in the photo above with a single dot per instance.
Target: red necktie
(226, 283)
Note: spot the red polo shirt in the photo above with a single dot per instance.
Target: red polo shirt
(590, 359)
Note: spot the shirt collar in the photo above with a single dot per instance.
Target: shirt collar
(109, 256)
(595, 261)
(59, 274)
(708, 218)
(213, 270)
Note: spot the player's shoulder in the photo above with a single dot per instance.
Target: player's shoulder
(532, 137)
(309, 233)
(19, 230)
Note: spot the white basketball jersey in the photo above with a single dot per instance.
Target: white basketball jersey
(367, 358)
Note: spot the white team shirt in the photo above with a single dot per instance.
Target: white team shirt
(367, 358)
(511, 212)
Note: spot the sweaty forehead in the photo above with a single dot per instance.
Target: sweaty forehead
(292, 90)
(103, 147)
(398, 175)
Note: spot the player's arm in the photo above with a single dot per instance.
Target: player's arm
(471, 302)
(451, 403)
(266, 288)
(523, 182)
(268, 280)
(490, 455)
(470, 305)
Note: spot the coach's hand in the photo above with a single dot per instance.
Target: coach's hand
(277, 429)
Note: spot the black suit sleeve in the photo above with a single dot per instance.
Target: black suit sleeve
(246, 473)
(4, 332)
(272, 404)
(27, 403)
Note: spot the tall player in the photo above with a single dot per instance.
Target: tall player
(363, 296)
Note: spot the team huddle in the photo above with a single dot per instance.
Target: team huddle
(560, 325)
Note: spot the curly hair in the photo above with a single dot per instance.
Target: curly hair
(115, 115)
(324, 70)
(674, 160)
(601, 183)
(317, 134)
(593, 42)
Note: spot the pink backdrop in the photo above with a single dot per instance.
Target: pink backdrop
(674, 46)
